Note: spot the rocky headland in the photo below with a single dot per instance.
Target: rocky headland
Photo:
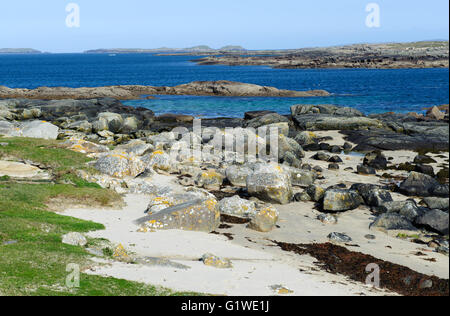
(130, 92)
(376, 56)
(367, 188)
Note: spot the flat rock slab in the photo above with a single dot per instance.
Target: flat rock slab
(20, 170)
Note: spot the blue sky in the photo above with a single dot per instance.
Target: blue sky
(254, 24)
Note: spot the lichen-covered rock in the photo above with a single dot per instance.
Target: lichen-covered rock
(164, 197)
(237, 174)
(158, 160)
(235, 206)
(210, 179)
(85, 147)
(120, 164)
(74, 239)
(316, 192)
(137, 147)
(216, 262)
(306, 138)
(418, 184)
(302, 197)
(265, 220)
(338, 200)
(271, 184)
(195, 215)
(121, 254)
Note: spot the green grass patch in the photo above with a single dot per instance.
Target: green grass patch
(49, 153)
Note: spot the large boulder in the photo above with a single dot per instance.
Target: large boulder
(435, 113)
(237, 174)
(418, 184)
(302, 109)
(326, 122)
(235, 206)
(137, 147)
(120, 164)
(440, 190)
(289, 145)
(270, 183)
(158, 160)
(306, 138)
(316, 192)
(437, 203)
(392, 221)
(130, 125)
(435, 220)
(209, 179)
(407, 209)
(81, 126)
(39, 129)
(265, 220)
(195, 215)
(376, 160)
(372, 194)
(85, 147)
(8, 129)
(300, 177)
(264, 120)
(113, 120)
(338, 200)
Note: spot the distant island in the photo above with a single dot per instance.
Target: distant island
(425, 54)
(19, 51)
(196, 49)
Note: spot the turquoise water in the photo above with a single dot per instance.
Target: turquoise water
(369, 90)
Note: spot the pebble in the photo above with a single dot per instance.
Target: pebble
(339, 237)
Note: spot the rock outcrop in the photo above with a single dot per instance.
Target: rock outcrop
(130, 92)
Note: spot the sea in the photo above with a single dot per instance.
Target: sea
(368, 90)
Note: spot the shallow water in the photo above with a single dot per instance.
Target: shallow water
(369, 90)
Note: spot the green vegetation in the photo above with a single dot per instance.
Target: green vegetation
(33, 259)
(48, 153)
(406, 236)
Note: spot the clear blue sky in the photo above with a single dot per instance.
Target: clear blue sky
(254, 24)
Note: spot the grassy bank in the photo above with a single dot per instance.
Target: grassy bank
(33, 259)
